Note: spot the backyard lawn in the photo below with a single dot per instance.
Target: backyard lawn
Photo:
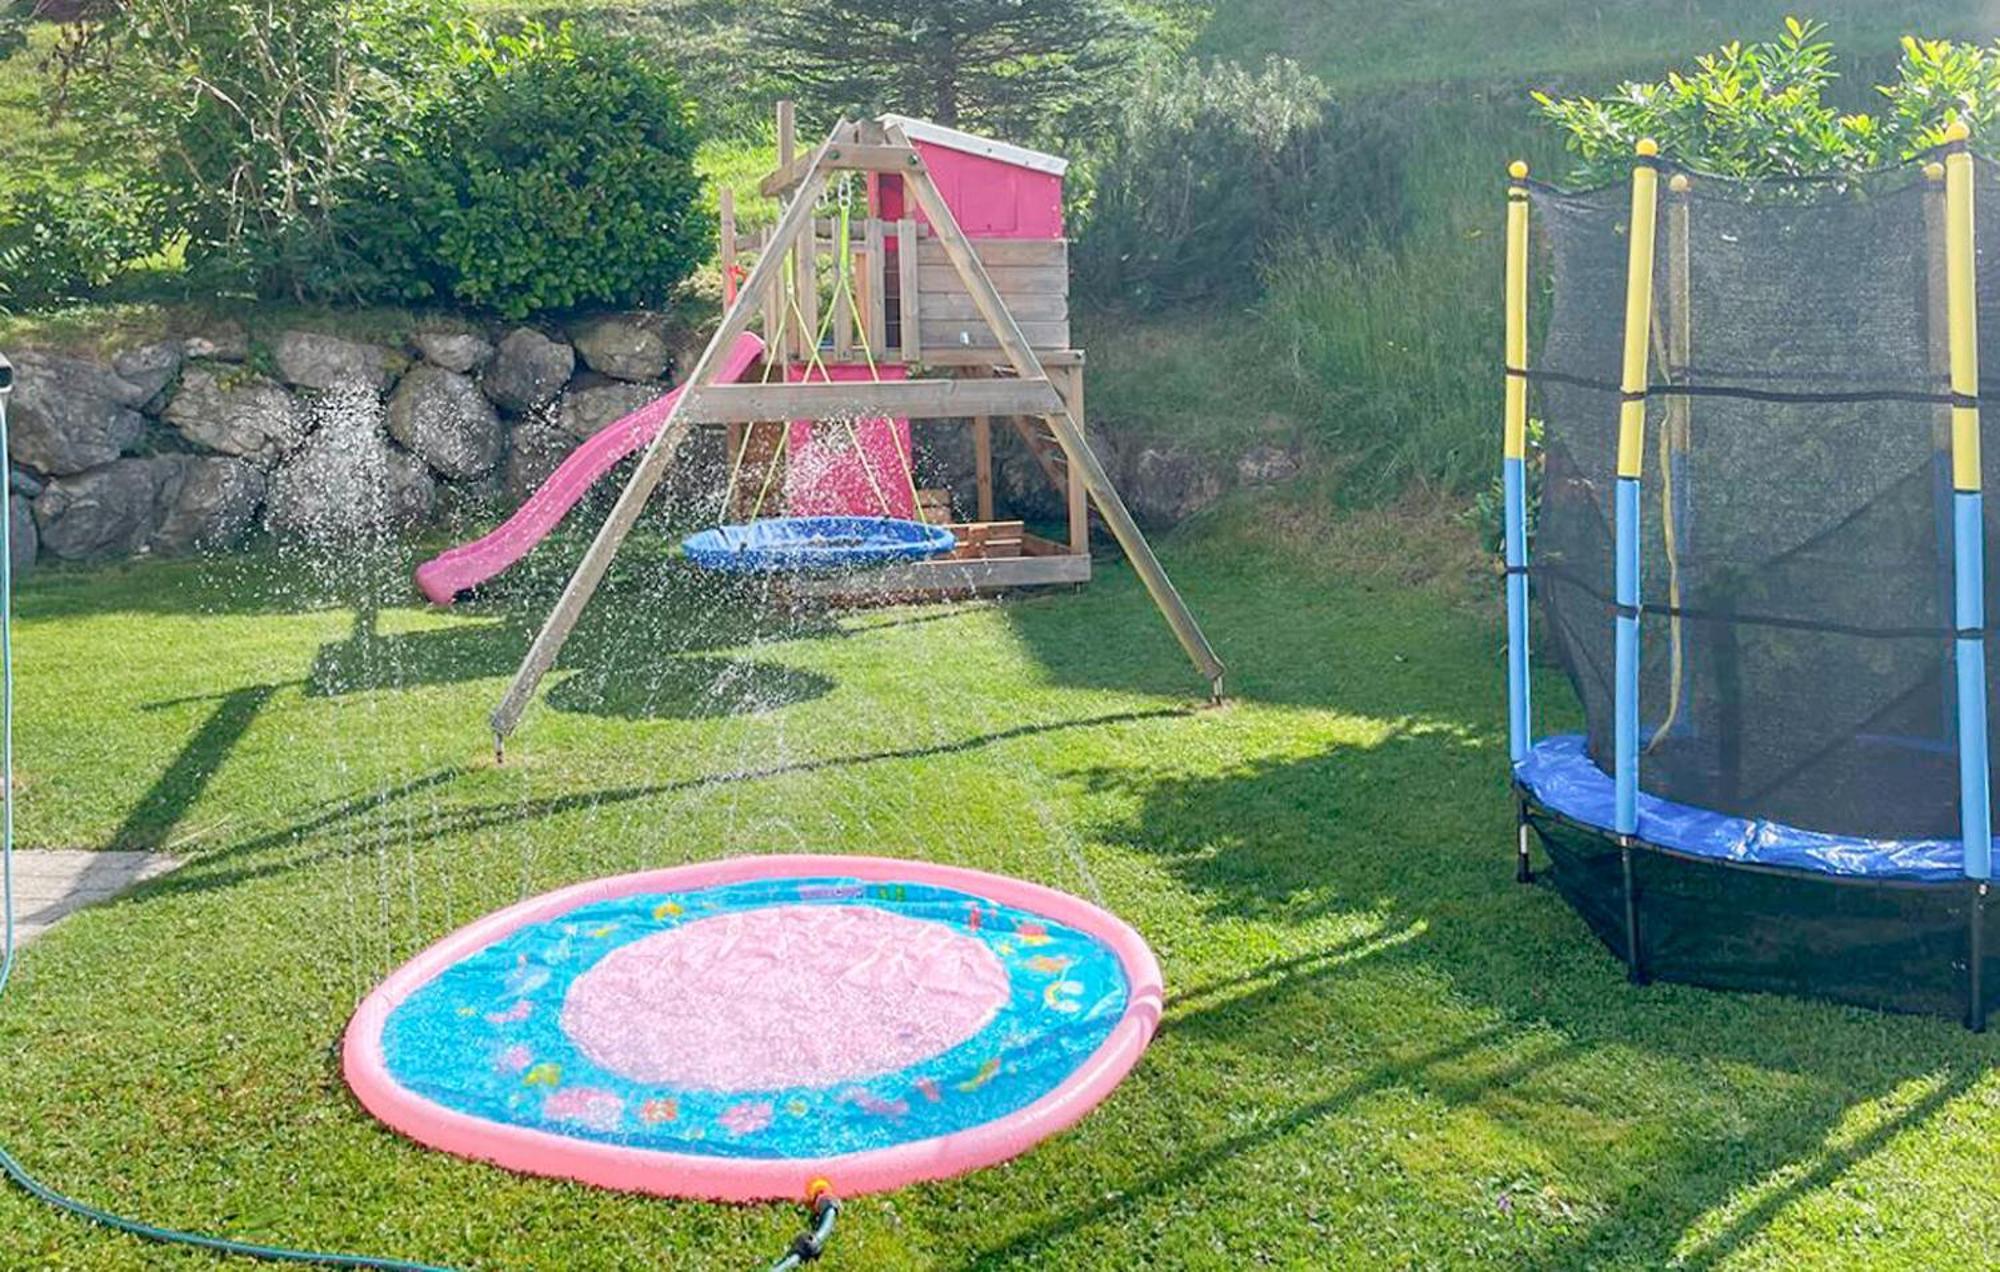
(1378, 1050)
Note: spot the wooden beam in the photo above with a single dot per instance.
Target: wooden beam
(874, 317)
(858, 157)
(982, 466)
(652, 467)
(950, 577)
(910, 338)
(1078, 509)
(1065, 426)
(913, 399)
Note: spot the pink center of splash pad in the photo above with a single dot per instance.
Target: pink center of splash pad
(784, 996)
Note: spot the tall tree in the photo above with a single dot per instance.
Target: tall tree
(1026, 68)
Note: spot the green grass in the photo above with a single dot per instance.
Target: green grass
(1378, 1050)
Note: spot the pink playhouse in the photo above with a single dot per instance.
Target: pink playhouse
(902, 308)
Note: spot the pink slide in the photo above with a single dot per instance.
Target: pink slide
(470, 564)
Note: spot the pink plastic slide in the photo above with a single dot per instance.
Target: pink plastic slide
(835, 469)
(470, 564)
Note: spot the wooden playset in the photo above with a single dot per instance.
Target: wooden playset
(946, 300)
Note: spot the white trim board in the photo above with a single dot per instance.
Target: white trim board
(973, 144)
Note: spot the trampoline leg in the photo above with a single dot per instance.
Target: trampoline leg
(1635, 970)
(1975, 1007)
(1524, 870)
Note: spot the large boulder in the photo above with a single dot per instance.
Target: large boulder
(70, 415)
(166, 504)
(533, 453)
(459, 351)
(444, 418)
(347, 483)
(23, 537)
(623, 346)
(314, 360)
(527, 371)
(109, 511)
(587, 410)
(149, 369)
(236, 413)
(1164, 485)
(224, 342)
(205, 502)
(1265, 464)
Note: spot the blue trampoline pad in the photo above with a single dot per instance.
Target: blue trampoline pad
(1560, 776)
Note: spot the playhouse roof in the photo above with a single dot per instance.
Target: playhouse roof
(973, 144)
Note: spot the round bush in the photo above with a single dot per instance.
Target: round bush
(555, 171)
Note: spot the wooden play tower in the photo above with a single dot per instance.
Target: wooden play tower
(958, 308)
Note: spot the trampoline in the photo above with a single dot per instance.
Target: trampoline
(790, 545)
(1759, 559)
(737, 1030)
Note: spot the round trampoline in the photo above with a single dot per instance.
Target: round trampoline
(787, 545)
(1759, 547)
(738, 1029)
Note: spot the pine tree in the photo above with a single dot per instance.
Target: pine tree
(1018, 68)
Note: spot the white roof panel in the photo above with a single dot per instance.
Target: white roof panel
(973, 144)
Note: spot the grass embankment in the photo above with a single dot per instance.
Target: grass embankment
(1378, 1051)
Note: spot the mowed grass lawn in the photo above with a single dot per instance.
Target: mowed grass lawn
(1378, 1050)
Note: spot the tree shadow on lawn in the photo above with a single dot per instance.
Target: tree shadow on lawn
(1417, 832)
(262, 855)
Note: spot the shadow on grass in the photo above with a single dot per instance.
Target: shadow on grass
(1416, 832)
(242, 862)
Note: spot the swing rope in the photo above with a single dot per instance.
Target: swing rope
(843, 286)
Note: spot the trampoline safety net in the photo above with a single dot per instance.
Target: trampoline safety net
(1796, 656)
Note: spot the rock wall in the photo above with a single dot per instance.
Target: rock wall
(192, 443)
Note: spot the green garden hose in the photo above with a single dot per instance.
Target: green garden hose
(8, 1165)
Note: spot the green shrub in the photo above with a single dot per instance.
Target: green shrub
(1760, 110)
(1938, 81)
(555, 171)
(1212, 168)
(1746, 110)
(61, 242)
(256, 117)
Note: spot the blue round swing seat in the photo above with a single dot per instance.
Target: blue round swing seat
(784, 545)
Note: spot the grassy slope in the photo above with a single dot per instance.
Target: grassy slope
(1378, 1051)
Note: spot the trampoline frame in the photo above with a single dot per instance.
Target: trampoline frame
(1952, 171)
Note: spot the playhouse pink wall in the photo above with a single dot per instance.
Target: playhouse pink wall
(990, 197)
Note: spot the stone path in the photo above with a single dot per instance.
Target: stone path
(49, 884)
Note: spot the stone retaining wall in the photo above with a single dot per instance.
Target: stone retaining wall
(192, 443)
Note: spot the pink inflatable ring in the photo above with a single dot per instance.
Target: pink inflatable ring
(738, 1029)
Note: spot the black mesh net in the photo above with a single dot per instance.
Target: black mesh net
(1796, 554)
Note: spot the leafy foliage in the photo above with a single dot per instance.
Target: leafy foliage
(1746, 110)
(557, 170)
(59, 242)
(257, 115)
(1020, 68)
(1938, 81)
(1212, 166)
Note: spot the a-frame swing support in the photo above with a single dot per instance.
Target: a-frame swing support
(702, 401)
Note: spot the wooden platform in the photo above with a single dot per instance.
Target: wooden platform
(1026, 561)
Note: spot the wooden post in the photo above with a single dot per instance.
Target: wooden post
(805, 279)
(874, 314)
(1082, 459)
(1079, 499)
(982, 465)
(907, 278)
(726, 244)
(652, 467)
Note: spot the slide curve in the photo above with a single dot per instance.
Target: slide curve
(469, 564)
